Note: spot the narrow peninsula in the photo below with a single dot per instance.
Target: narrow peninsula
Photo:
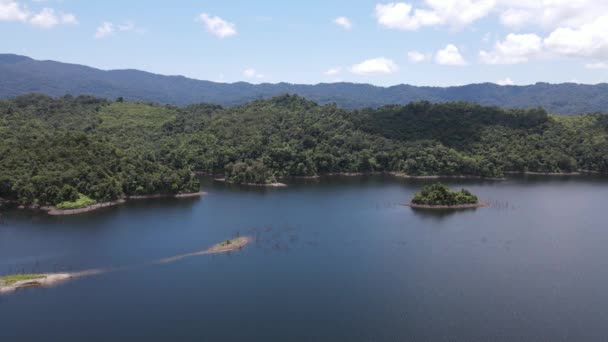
(439, 196)
(14, 282)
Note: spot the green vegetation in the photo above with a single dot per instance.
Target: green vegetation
(11, 279)
(226, 243)
(81, 202)
(439, 194)
(54, 149)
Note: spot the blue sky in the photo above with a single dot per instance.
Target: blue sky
(426, 42)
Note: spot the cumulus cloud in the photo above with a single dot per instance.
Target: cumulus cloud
(504, 82)
(333, 71)
(456, 14)
(417, 57)
(450, 55)
(589, 40)
(108, 28)
(104, 30)
(550, 14)
(400, 16)
(252, 73)
(47, 18)
(516, 14)
(13, 11)
(217, 26)
(344, 22)
(373, 66)
(516, 48)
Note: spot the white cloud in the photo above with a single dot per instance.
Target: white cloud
(417, 57)
(128, 26)
(597, 65)
(69, 18)
(13, 11)
(516, 48)
(108, 28)
(589, 40)
(104, 30)
(344, 22)
(456, 14)
(400, 16)
(450, 55)
(252, 73)
(372, 66)
(45, 19)
(550, 14)
(217, 26)
(504, 82)
(333, 71)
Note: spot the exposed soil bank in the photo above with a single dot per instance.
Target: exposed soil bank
(43, 281)
(57, 212)
(180, 195)
(479, 204)
(222, 247)
(548, 173)
(392, 173)
(51, 279)
(275, 184)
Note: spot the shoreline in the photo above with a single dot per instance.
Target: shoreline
(45, 280)
(391, 173)
(58, 212)
(222, 247)
(53, 211)
(178, 195)
(532, 173)
(480, 204)
(52, 279)
(219, 177)
(270, 185)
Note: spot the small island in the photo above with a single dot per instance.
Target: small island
(225, 246)
(439, 196)
(15, 282)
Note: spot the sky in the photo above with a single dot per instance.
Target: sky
(418, 42)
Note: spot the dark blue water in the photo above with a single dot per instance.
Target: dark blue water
(336, 259)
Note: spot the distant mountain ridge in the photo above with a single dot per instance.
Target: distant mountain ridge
(21, 75)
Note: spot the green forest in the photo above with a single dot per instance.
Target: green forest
(56, 150)
(438, 194)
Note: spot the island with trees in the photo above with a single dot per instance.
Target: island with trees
(439, 196)
(78, 151)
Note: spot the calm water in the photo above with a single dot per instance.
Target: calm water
(336, 259)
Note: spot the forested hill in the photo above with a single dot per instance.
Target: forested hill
(21, 75)
(55, 150)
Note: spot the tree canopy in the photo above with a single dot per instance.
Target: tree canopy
(53, 150)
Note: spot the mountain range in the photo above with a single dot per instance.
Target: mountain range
(22, 75)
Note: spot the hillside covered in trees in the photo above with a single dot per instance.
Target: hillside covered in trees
(22, 75)
(54, 149)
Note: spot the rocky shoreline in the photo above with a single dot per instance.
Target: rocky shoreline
(480, 204)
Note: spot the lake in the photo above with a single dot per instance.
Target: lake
(334, 259)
